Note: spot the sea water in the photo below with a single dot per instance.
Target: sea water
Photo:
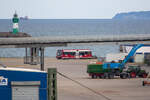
(73, 27)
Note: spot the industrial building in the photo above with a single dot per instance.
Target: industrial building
(141, 56)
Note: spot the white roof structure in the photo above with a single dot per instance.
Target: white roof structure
(21, 69)
(144, 49)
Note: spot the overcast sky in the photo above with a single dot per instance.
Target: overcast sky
(70, 9)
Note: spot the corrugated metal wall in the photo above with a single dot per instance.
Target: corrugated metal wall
(25, 93)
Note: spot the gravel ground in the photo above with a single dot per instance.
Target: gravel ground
(112, 89)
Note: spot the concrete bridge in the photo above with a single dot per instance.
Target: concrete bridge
(36, 45)
(65, 40)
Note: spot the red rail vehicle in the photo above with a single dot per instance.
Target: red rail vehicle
(74, 54)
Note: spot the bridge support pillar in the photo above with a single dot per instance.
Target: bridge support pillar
(42, 58)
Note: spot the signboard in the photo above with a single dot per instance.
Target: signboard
(3, 81)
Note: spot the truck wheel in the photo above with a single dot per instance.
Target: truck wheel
(93, 76)
(132, 74)
(102, 76)
(117, 72)
(143, 83)
(106, 75)
(123, 76)
(111, 76)
(144, 75)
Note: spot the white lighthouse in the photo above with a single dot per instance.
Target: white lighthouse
(15, 23)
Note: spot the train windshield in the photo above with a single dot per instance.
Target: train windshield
(59, 52)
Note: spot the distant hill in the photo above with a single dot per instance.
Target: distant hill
(133, 15)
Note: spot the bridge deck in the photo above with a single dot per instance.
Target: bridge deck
(64, 40)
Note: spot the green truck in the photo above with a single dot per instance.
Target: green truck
(97, 71)
(111, 69)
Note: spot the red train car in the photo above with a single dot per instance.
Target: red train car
(74, 54)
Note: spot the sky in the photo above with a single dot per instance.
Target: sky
(70, 9)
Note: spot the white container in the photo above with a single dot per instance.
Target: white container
(115, 57)
(139, 58)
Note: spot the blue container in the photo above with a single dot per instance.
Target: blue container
(18, 75)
